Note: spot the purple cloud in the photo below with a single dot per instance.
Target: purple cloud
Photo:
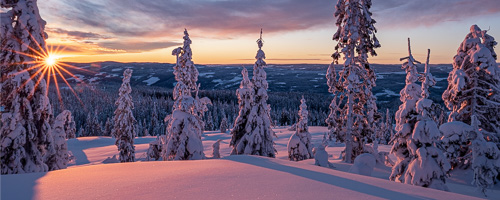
(218, 18)
(163, 20)
(229, 18)
(403, 13)
(77, 35)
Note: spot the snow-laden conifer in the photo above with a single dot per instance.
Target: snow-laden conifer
(81, 132)
(185, 124)
(485, 158)
(428, 166)
(25, 135)
(389, 130)
(154, 150)
(215, 149)
(92, 125)
(257, 138)
(333, 118)
(210, 123)
(245, 98)
(299, 144)
(406, 117)
(223, 125)
(124, 121)
(63, 125)
(474, 82)
(356, 39)
(69, 124)
(155, 124)
(108, 127)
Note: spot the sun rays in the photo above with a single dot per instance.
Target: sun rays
(45, 63)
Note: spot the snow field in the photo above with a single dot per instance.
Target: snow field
(232, 177)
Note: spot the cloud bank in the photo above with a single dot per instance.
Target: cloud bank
(164, 20)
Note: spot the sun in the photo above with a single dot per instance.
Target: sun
(51, 60)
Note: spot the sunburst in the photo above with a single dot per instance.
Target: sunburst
(46, 64)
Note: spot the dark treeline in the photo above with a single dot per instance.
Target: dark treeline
(98, 105)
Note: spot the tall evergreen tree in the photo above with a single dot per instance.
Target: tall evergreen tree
(356, 39)
(69, 124)
(25, 135)
(474, 82)
(388, 128)
(223, 125)
(406, 117)
(155, 125)
(245, 97)
(299, 145)
(428, 166)
(60, 129)
(333, 118)
(185, 124)
(108, 127)
(124, 121)
(92, 125)
(210, 122)
(258, 136)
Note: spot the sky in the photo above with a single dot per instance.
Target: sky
(225, 31)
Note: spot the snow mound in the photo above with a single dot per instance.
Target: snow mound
(364, 164)
(257, 178)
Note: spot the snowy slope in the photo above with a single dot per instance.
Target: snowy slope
(235, 177)
(232, 177)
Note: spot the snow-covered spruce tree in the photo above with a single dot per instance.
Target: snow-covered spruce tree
(63, 124)
(428, 166)
(356, 38)
(145, 128)
(69, 124)
(333, 118)
(258, 135)
(81, 132)
(108, 127)
(299, 145)
(223, 125)
(215, 149)
(185, 124)
(25, 135)
(124, 121)
(154, 150)
(92, 125)
(389, 130)
(155, 124)
(210, 122)
(474, 82)
(139, 129)
(406, 117)
(485, 158)
(245, 98)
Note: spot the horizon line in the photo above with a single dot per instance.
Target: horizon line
(242, 63)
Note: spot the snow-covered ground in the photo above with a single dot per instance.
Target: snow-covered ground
(151, 80)
(232, 177)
